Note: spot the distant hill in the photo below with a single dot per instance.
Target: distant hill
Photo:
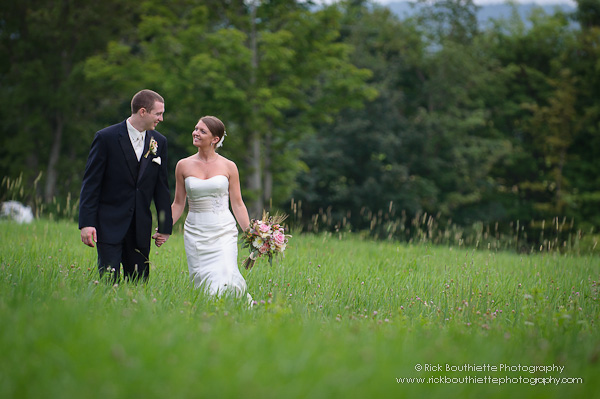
(404, 9)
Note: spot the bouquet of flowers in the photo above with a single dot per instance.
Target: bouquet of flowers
(265, 237)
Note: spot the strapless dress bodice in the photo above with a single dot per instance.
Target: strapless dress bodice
(207, 195)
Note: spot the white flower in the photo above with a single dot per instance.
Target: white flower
(258, 242)
(220, 143)
(156, 160)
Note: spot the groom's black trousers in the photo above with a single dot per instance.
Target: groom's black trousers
(136, 265)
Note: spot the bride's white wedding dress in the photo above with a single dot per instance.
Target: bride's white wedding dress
(210, 237)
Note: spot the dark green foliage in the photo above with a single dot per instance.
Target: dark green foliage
(493, 126)
(47, 107)
(361, 116)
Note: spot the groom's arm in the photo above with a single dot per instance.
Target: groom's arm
(90, 191)
(162, 195)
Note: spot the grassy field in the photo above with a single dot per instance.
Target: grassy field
(338, 317)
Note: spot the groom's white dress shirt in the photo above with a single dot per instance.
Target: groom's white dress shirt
(137, 139)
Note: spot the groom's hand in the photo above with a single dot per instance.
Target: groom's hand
(88, 236)
(159, 238)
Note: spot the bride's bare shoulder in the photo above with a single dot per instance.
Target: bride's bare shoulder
(228, 162)
(186, 160)
(184, 163)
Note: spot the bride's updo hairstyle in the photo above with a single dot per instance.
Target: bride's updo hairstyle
(216, 127)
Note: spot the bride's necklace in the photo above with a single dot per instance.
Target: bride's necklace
(213, 159)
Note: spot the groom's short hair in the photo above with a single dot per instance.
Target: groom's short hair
(145, 99)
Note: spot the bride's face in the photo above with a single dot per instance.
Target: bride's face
(202, 137)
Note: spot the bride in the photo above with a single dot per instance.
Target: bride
(210, 181)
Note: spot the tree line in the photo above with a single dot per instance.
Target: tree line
(344, 108)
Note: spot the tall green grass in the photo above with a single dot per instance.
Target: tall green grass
(339, 316)
(557, 234)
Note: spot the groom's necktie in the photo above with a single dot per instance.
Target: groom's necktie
(139, 147)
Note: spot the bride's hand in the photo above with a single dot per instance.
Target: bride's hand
(159, 238)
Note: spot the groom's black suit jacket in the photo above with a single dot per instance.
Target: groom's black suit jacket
(116, 187)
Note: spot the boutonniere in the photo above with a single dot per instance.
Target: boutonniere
(152, 147)
(156, 160)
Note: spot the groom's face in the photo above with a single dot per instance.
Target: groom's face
(154, 116)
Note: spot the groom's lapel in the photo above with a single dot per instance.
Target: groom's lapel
(128, 152)
(145, 160)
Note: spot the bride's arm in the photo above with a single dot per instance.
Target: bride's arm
(235, 196)
(179, 201)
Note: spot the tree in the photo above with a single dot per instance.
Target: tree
(553, 128)
(582, 171)
(46, 101)
(534, 66)
(270, 71)
(448, 20)
(588, 13)
(302, 76)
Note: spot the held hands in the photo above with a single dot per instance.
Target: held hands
(159, 238)
(89, 237)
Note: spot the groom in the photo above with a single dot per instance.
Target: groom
(127, 169)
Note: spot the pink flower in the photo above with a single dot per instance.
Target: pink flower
(279, 238)
(264, 230)
(264, 249)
